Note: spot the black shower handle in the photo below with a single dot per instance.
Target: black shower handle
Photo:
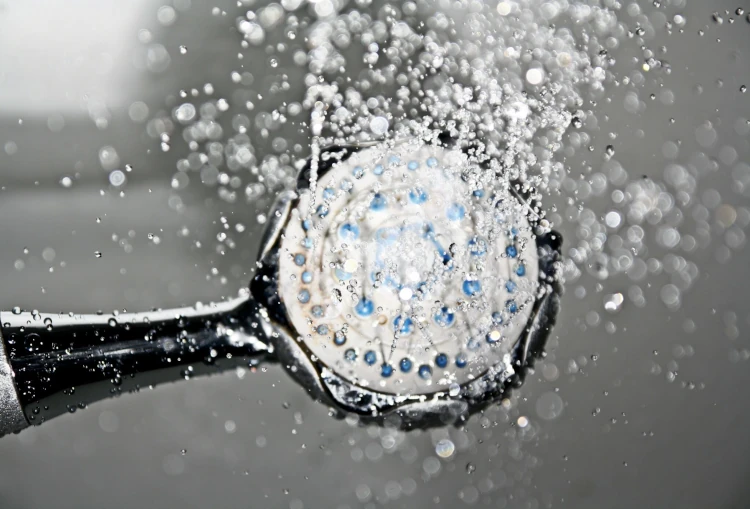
(56, 363)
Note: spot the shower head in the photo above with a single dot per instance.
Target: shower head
(398, 279)
(402, 280)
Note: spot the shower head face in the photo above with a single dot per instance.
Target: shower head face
(403, 278)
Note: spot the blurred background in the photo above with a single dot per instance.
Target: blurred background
(640, 408)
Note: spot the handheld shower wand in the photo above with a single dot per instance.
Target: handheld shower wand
(58, 363)
(398, 285)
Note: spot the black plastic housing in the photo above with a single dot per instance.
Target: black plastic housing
(64, 362)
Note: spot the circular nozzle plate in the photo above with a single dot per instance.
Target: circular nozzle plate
(405, 272)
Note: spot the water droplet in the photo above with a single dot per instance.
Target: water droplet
(445, 448)
(454, 390)
(379, 125)
(549, 406)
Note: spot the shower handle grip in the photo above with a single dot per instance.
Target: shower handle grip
(52, 364)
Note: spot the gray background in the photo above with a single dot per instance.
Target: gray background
(626, 437)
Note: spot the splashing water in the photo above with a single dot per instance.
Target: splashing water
(412, 299)
(510, 78)
(519, 81)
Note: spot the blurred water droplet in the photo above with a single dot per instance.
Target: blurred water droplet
(117, 178)
(549, 406)
(445, 448)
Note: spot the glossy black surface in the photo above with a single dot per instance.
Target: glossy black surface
(65, 362)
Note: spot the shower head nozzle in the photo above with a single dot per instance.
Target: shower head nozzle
(398, 279)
